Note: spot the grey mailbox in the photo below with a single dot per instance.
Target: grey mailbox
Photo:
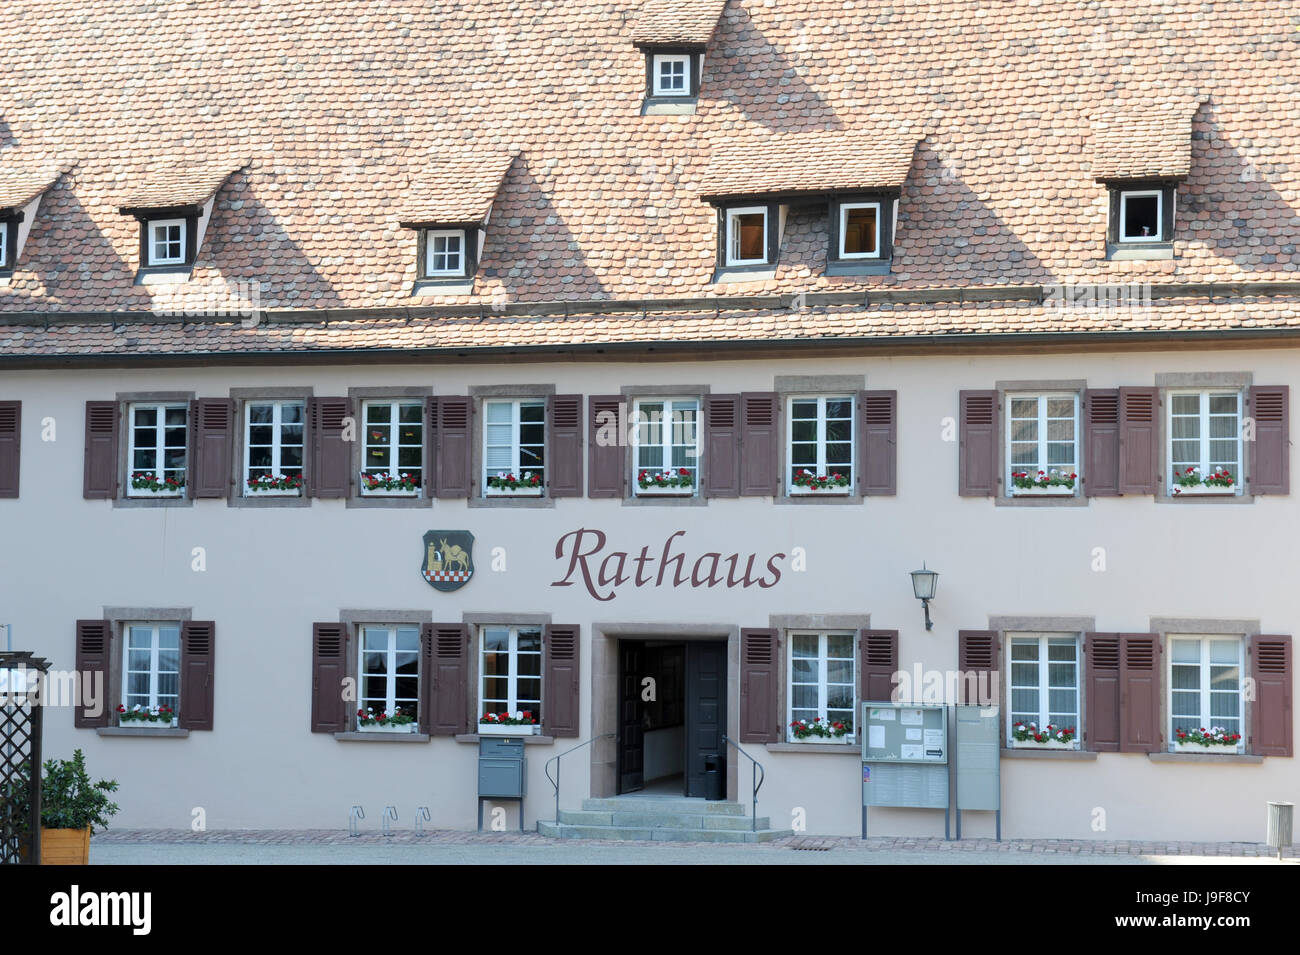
(501, 773)
(979, 762)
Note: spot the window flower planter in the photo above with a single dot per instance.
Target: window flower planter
(147, 724)
(1201, 490)
(1057, 490)
(509, 729)
(653, 491)
(146, 484)
(799, 490)
(1053, 744)
(846, 740)
(370, 487)
(515, 491)
(1216, 750)
(404, 729)
(160, 718)
(274, 492)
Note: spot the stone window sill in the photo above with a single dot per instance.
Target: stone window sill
(355, 736)
(141, 731)
(528, 740)
(838, 749)
(1076, 754)
(1205, 758)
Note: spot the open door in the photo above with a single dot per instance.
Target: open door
(631, 729)
(706, 713)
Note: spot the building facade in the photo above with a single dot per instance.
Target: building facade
(616, 367)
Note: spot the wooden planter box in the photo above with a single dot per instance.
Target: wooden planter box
(65, 846)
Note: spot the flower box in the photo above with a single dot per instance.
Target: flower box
(508, 729)
(1201, 490)
(800, 490)
(363, 483)
(147, 724)
(274, 492)
(1056, 490)
(366, 492)
(1051, 744)
(515, 491)
(1215, 750)
(653, 491)
(400, 728)
(845, 740)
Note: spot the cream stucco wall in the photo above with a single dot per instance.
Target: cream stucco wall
(271, 572)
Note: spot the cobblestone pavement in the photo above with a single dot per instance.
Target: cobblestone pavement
(272, 846)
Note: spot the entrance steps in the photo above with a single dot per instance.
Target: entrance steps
(660, 819)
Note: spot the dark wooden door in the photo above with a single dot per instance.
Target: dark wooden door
(706, 712)
(631, 730)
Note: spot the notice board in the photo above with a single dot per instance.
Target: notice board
(904, 755)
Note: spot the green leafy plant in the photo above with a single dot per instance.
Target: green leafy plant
(682, 477)
(806, 478)
(1214, 736)
(506, 481)
(69, 800)
(367, 717)
(278, 482)
(826, 729)
(1192, 477)
(148, 481)
(386, 482)
(1053, 478)
(1031, 732)
(520, 718)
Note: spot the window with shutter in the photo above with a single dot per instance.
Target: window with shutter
(822, 697)
(100, 476)
(157, 449)
(275, 447)
(758, 707)
(511, 673)
(1270, 452)
(561, 694)
(666, 447)
(152, 671)
(1272, 715)
(1204, 443)
(1206, 698)
(388, 664)
(393, 447)
(564, 445)
(1043, 690)
(820, 445)
(329, 668)
(721, 445)
(977, 444)
(514, 448)
(1042, 445)
(11, 414)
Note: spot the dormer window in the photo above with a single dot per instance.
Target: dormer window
(21, 190)
(167, 242)
(672, 74)
(1141, 220)
(747, 229)
(861, 240)
(446, 253)
(674, 36)
(6, 242)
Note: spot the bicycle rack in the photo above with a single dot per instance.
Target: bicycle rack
(356, 814)
(421, 817)
(390, 816)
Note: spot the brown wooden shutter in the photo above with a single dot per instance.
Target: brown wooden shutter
(212, 435)
(330, 474)
(198, 654)
(759, 721)
(430, 439)
(452, 454)
(1271, 714)
(94, 641)
(1270, 452)
(11, 417)
(878, 654)
(1139, 692)
(1138, 460)
(1101, 442)
(758, 451)
(564, 445)
(425, 690)
(977, 452)
(1101, 729)
(878, 441)
(561, 696)
(978, 653)
(100, 478)
(449, 686)
(721, 446)
(329, 711)
(605, 476)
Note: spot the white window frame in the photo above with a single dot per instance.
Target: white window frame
(845, 209)
(152, 245)
(516, 405)
(4, 246)
(277, 447)
(429, 238)
(1204, 394)
(1043, 398)
(1044, 685)
(822, 690)
(733, 234)
(160, 409)
(391, 701)
(513, 675)
(662, 59)
(1124, 196)
(822, 468)
(667, 425)
(154, 672)
(1205, 719)
(394, 444)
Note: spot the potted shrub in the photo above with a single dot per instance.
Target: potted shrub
(1031, 736)
(395, 722)
(521, 723)
(72, 807)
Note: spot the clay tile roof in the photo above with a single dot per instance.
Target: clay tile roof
(835, 161)
(180, 183)
(19, 185)
(677, 22)
(1143, 141)
(455, 190)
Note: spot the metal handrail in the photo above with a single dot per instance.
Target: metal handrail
(758, 775)
(555, 781)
